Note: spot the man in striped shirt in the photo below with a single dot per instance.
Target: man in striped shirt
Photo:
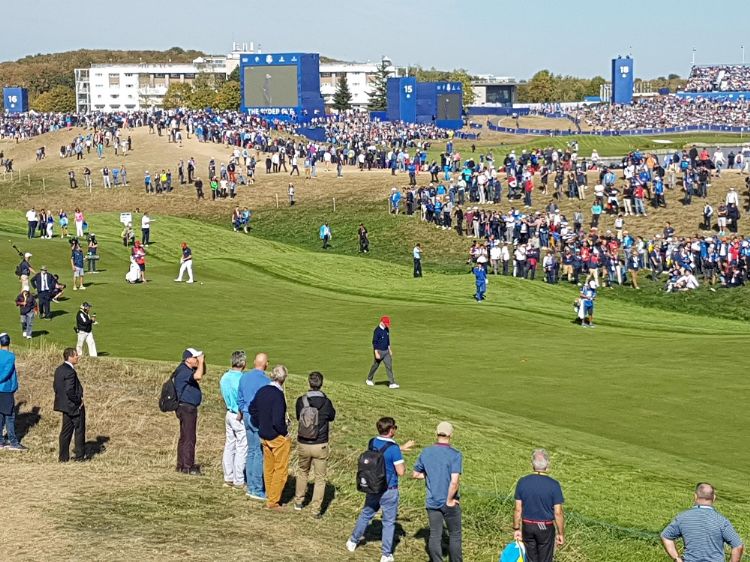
(703, 530)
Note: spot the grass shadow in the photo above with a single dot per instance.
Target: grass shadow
(56, 313)
(96, 447)
(26, 420)
(374, 533)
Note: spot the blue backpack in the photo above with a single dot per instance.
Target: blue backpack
(513, 552)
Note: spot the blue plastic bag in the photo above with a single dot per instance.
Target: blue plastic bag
(513, 552)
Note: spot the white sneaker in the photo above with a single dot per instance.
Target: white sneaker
(351, 546)
(393, 385)
(387, 558)
(368, 382)
(28, 336)
(190, 281)
(178, 280)
(24, 334)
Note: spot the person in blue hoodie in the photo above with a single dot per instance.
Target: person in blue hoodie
(8, 388)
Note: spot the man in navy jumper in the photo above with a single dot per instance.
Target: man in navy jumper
(268, 414)
(381, 345)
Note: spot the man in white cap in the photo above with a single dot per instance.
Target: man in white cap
(26, 271)
(440, 466)
(186, 379)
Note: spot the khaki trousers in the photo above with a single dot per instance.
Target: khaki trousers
(315, 457)
(275, 467)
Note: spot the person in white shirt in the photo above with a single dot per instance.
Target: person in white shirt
(291, 194)
(33, 220)
(495, 256)
(145, 229)
(718, 160)
(732, 197)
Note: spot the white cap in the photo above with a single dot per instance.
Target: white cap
(27, 255)
(191, 352)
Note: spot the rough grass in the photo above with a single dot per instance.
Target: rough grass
(129, 503)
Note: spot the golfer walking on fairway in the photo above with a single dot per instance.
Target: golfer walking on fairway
(381, 345)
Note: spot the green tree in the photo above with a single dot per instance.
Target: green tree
(541, 87)
(465, 78)
(379, 93)
(178, 95)
(58, 99)
(342, 99)
(234, 76)
(228, 96)
(200, 98)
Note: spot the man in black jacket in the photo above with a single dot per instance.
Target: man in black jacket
(84, 326)
(43, 283)
(69, 401)
(314, 412)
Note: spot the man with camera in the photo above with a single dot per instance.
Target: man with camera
(84, 326)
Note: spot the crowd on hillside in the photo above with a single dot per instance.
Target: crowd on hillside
(519, 241)
(719, 78)
(663, 112)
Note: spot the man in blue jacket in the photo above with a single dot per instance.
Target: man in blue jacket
(8, 388)
(480, 276)
(250, 382)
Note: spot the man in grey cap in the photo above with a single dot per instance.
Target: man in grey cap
(440, 466)
(43, 282)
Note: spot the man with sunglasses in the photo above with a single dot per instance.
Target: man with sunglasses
(386, 501)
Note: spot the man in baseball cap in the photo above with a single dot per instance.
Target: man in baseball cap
(381, 345)
(440, 465)
(187, 378)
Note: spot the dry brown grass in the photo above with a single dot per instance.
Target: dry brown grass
(128, 503)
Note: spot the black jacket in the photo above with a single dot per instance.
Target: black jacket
(36, 281)
(326, 414)
(68, 390)
(83, 322)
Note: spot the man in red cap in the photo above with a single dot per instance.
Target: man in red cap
(381, 345)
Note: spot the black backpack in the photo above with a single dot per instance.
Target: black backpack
(168, 400)
(19, 272)
(371, 476)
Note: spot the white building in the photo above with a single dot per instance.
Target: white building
(129, 87)
(360, 77)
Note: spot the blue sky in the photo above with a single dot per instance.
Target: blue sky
(484, 36)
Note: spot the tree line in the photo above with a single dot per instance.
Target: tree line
(50, 78)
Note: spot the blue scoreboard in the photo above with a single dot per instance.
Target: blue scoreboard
(16, 100)
(441, 103)
(622, 80)
(283, 86)
(402, 99)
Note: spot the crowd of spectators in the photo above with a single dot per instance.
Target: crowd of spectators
(663, 112)
(521, 242)
(719, 78)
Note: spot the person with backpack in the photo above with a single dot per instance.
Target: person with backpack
(187, 379)
(440, 466)
(378, 471)
(315, 411)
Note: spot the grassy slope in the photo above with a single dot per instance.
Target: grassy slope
(517, 363)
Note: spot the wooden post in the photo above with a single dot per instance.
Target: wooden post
(44, 184)
(277, 200)
(334, 204)
(28, 180)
